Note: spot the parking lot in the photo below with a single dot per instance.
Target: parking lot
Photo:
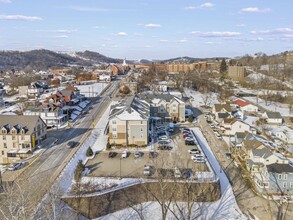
(167, 159)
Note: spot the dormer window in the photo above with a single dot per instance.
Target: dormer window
(3, 131)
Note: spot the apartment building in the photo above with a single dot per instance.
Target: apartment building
(129, 123)
(237, 73)
(19, 136)
(165, 106)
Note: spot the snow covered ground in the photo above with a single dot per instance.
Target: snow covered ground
(91, 90)
(225, 208)
(272, 106)
(198, 99)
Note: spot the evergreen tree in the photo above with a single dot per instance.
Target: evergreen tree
(223, 67)
(89, 152)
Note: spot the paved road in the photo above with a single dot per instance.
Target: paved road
(39, 176)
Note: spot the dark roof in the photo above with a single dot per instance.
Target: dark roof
(252, 144)
(241, 134)
(219, 107)
(223, 115)
(280, 168)
(25, 121)
(250, 163)
(274, 115)
(264, 152)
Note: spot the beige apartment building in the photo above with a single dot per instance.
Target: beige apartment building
(129, 123)
(19, 136)
(165, 106)
(237, 73)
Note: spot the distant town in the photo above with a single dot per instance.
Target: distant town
(185, 138)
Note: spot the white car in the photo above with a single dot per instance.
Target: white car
(194, 151)
(137, 154)
(124, 154)
(147, 170)
(198, 158)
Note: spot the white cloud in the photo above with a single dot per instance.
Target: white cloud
(207, 5)
(99, 27)
(189, 8)
(182, 41)
(152, 25)
(254, 10)
(6, 1)
(121, 34)
(273, 31)
(216, 34)
(202, 6)
(163, 41)
(61, 36)
(20, 17)
(68, 31)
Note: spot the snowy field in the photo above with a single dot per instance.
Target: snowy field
(198, 99)
(272, 106)
(91, 90)
(224, 208)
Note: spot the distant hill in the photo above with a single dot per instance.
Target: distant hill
(45, 59)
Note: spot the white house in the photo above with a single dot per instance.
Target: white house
(245, 106)
(285, 135)
(273, 117)
(231, 126)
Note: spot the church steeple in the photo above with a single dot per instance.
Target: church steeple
(124, 62)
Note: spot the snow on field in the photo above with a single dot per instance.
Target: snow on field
(198, 99)
(91, 90)
(272, 106)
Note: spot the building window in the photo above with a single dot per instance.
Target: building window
(22, 137)
(114, 122)
(3, 152)
(114, 135)
(13, 137)
(285, 176)
(280, 176)
(5, 145)
(291, 184)
(141, 122)
(11, 154)
(4, 137)
(285, 184)
(3, 131)
(114, 129)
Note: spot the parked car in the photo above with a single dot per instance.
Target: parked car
(163, 138)
(147, 170)
(137, 154)
(71, 144)
(16, 166)
(187, 135)
(161, 133)
(112, 154)
(190, 142)
(124, 154)
(165, 147)
(194, 151)
(198, 158)
(177, 172)
(153, 154)
(189, 139)
(164, 142)
(186, 132)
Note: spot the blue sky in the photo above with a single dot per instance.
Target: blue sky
(152, 29)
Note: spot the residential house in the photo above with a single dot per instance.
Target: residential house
(245, 106)
(231, 126)
(258, 158)
(51, 115)
(165, 106)
(276, 179)
(19, 136)
(285, 135)
(222, 111)
(129, 123)
(249, 145)
(273, 118)
(71, 95)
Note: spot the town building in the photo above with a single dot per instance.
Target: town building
(273, 118)
(19, 136)
(237, 73)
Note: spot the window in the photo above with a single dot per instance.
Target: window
(141, 122)
(11, 154)
(114, 135)
(22, 137)
(4, 131)
(114, 122)
(284, 184)
(5, 145)
(3, 152)
(291, 184)
(285, 176)
(13, 137)
(4, 137)
(141, 129)
(114, 129)
(280, 176)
